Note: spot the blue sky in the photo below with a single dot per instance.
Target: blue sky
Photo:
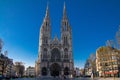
(92, 21)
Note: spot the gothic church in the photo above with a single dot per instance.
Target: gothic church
(55, 57)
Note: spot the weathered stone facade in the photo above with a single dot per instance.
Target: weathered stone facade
(55, 56)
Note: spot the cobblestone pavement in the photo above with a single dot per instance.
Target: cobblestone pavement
(49, 78)
(97, 79)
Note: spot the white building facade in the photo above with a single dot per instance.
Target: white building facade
(30, 71)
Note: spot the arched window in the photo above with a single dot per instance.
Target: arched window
(65, 28)
(46, 27)
(55, 55)
(65, 40)
(66, 53)
(45, 40)
(45, 53)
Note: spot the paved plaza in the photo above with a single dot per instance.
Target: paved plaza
(48, 78)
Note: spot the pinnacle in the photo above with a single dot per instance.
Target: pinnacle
(47, 11)
(64, 11)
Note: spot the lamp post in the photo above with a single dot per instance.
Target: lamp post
(0, 65)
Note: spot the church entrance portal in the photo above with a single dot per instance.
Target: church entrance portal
(66, 71)
(44, 71)
(55, 69)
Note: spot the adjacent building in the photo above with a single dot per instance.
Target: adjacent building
(6, 66)
(81, 72)
(55, 57)
(108, 61)
(90, 66)
(87, 69)
(30, 71)
(10, 72)
(77, 72)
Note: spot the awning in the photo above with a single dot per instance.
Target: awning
(114, 72)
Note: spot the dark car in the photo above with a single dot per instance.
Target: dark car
(2, 77)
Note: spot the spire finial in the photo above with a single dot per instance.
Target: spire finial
(47, 5)
(47, 10)
(64, 5)
(64, 11)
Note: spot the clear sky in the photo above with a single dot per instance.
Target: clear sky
(92, 21)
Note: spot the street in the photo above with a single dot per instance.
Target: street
(81, 78)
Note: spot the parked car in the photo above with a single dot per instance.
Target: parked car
(2, 77)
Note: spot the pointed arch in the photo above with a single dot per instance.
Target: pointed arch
(65, 28)
(45, 53)
(66, 71)
(64, 40)
(45, 39)
(44, 71)
(55, 69)
(55, 55)
(46, 26)
(65, 53)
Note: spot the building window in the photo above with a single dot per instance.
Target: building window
(55, 55)
(44, 53)
(66, 53)
(45, 40)
(65, 40)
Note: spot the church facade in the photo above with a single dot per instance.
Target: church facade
(55, 57)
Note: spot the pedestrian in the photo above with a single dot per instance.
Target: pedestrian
(92, 76)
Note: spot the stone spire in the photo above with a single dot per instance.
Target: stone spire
(46, 20)
(64, 12)
(47, 11)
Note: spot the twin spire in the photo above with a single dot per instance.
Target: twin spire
(64, 11)
(47, 11)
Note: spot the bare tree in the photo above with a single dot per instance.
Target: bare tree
(4, 60)
(92, 62)
(4, 63)
(1, 45)
(19, 68)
